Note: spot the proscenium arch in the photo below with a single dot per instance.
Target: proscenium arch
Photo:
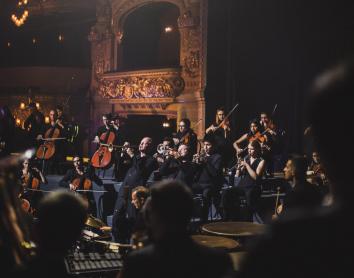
(145, 44)
(122, 11)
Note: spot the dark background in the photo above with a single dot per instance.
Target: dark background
(260, 53)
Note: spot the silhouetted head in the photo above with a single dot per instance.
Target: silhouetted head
(61, 218)
(168, 210)
(330, 106)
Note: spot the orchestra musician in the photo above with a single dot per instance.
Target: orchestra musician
(254, 134)
(250, 170)
(34, 124)
(222, 133)
(316, 173)
(186, 136)
(76, 178)
(301, 195)
(53, 164)
(167, 145)
(209, 178)
(179, 166)
(31, 178)
(142, 167)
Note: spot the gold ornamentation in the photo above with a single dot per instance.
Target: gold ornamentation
(191, 64)
(129, 88)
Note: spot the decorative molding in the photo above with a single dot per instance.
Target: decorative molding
(138, 86)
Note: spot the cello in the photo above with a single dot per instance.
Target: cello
(103, 155)
(47, 149)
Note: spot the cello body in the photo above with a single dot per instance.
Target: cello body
(103, 156)
(47, 149)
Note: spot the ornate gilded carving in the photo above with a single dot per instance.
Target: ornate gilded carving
(191, 64)
(136, 87)
(186, 20)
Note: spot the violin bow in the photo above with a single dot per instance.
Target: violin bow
(228, 115)
(274, 109)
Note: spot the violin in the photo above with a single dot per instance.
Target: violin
(103, 155)
(25, 205)
(260, 137)
(47, 149)
(84, 183)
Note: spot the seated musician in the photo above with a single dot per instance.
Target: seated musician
(31, 178)
(186, 136)
(75, 178)
(316, 173)
(106, 119)
(167, 145)
(126, 229)
(143, 165)
(253, 134)
(209, 178)
(301, 194)
(247, 174)
(173, 253)
(179, 166)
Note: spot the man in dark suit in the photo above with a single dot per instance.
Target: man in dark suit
(209, 177)
(318, 244)
(173, 253)
(143, 164)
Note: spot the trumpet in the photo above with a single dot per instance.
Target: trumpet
(166, 151)
(199, 157)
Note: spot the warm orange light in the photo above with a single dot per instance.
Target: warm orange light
(22, 105)
(61, 38)
(38, 105)
(18, 122)
(46, 120)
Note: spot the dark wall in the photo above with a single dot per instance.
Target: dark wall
(262, 53)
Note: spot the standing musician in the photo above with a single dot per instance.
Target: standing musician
(143, 165)
(268, 128)
(222, 132)
(179, 166)
(109, 133)
(209, 177)
(186, 136)
(220, 127)
(31, 179)
(34, 124)
(48, 131)
(254, 134)
(81, 178)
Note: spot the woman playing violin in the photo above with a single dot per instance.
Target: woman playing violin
(221, 126)
(186, 136)
(31, 179)
(80, 178)
(254, 134)
(222, 134)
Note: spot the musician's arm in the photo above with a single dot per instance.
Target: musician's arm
(237, 143)
(65, 181)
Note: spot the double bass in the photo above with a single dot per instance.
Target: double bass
(103, 156)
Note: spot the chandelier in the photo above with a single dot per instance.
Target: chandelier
(22, 7)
